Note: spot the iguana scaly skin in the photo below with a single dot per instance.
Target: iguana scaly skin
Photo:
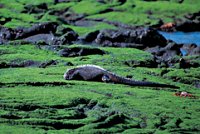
(96, 73)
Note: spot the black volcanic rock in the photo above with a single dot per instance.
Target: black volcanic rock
(191, 49)
(8, 34)
(76, 51)
(124, 38)
(47, 33)
(166, 56)
(188, 26)
(188, 63)
(62, 30)
(90, 36)
(48, 63)
(41, 28)
(14, 64)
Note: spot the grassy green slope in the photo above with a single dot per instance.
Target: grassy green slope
(133, 12)
(54, 103)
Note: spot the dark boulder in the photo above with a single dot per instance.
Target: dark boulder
(190, 23)
(41, 34)
(15, 64)
(106, 10)
(4, 65)
(145, 37)
(149, 63)
(69, 37)
(41, 28)
(62, 30)
(191, 49)
(27, 63)
(6, 34)
(166, 56)
(40, 39)
(169, 51)
(48, 63)
(68, 64)
(195, 51)
(188, 63)
(76, 51)
(4, 20)
(90, 37)
(152, 38)
(49, 39)
(188, 26)
(193, 16)
(71, 18)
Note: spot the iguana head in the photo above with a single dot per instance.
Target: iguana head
(69, 74)
(105, 78)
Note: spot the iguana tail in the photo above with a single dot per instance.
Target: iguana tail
(121, 80)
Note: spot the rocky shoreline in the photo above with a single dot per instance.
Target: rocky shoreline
(51, 35)
(143, 37)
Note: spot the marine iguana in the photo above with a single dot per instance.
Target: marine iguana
(96, 73)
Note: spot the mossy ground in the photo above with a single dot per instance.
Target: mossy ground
(42, 101)
(132, 12)
(39, 100)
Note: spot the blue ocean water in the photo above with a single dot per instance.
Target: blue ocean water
(182, 37)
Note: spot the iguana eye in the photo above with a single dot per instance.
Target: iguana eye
(105, 78)
(65, 76)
